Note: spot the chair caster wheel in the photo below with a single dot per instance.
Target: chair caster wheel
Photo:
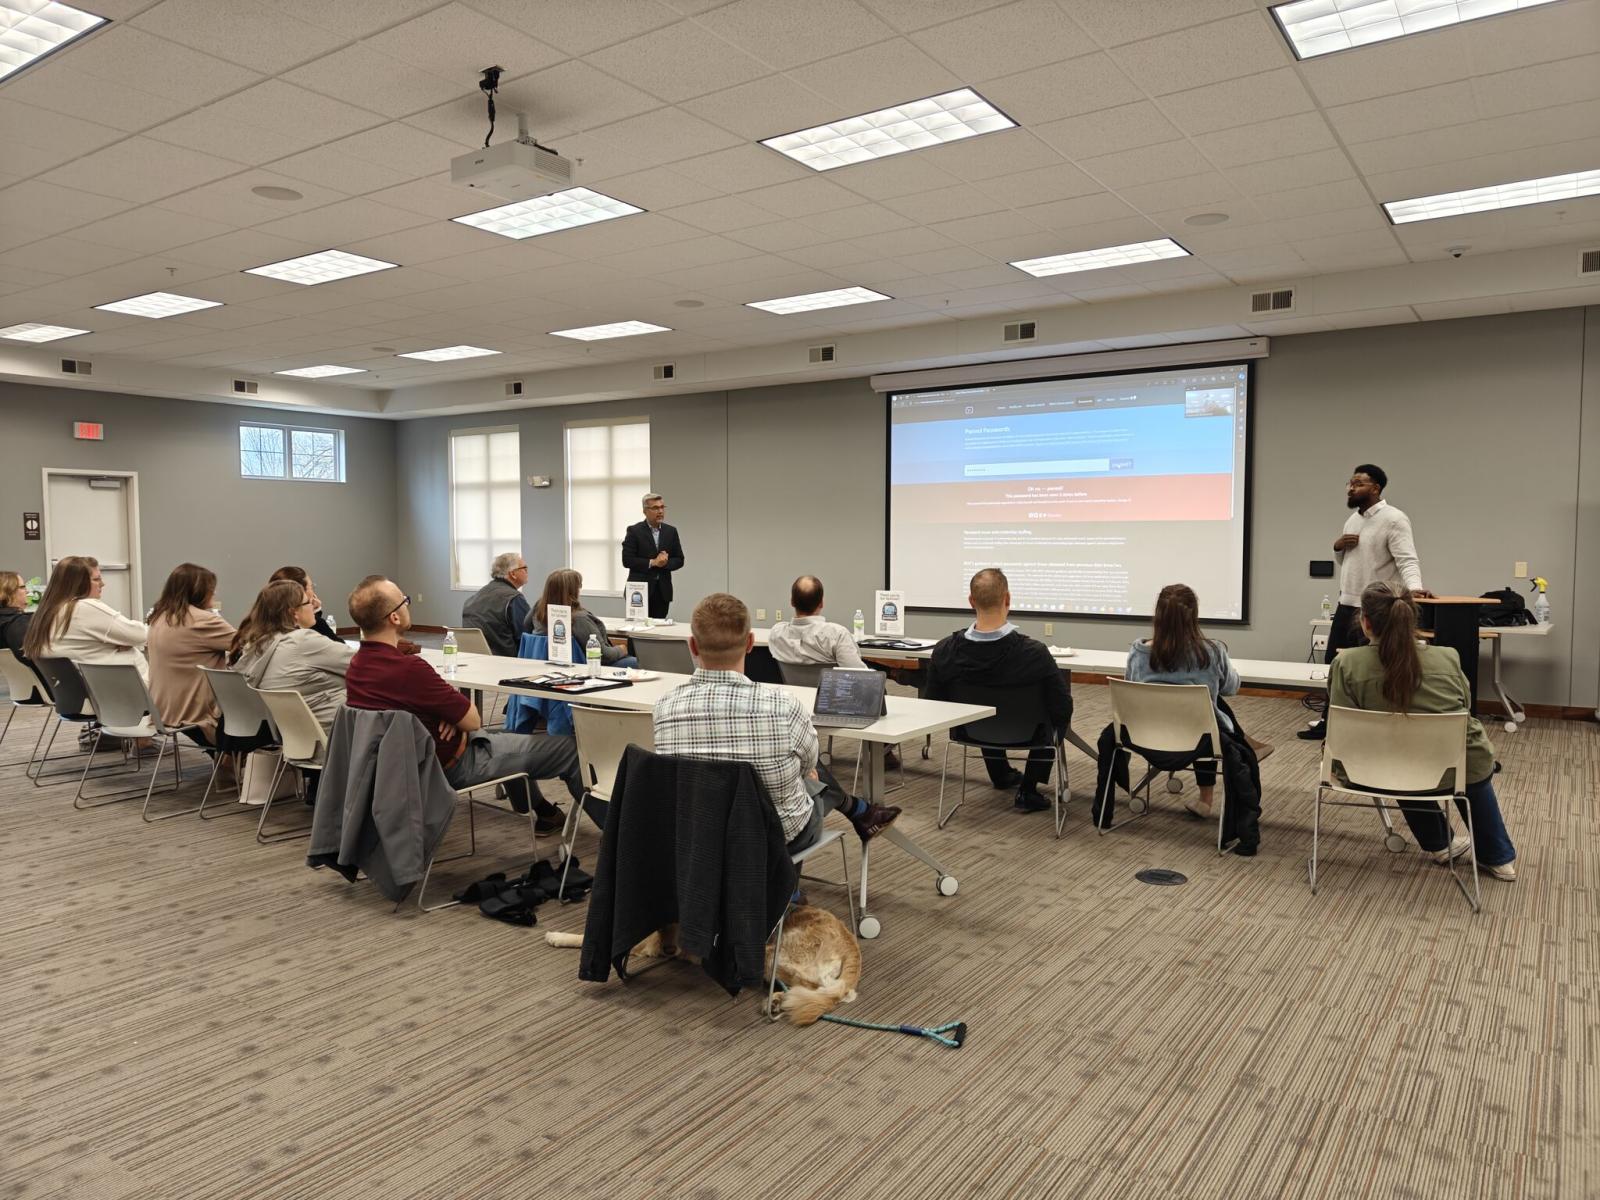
(1394, 843)
(1511, 726)
(925, 754)
(1174, 784)
(948, 885)
(869, 928)
(1138, 806)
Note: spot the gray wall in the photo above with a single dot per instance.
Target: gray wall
(194, 505)
(1489, 429)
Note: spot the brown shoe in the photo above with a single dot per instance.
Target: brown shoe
(1262, 749)
(875, 820)
(891, 760)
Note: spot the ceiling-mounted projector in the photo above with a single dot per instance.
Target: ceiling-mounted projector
(516, 170)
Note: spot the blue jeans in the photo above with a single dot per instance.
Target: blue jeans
(627, 660)
(1492, 842)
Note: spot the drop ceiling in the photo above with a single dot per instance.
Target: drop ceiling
(131, 162)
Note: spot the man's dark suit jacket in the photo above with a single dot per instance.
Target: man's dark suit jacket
(639, 547)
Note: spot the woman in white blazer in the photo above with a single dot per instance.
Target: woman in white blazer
(72, 621)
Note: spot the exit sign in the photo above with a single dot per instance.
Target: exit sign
(89, 431)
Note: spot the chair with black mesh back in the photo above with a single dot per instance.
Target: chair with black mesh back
(26, 691)
(1020, 713)
(72, 707)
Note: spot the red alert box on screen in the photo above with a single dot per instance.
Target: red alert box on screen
(89, 431)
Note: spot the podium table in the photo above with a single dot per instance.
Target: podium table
(1454, 622)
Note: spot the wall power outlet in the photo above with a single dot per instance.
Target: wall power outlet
(1521, 571)
(1049, 628)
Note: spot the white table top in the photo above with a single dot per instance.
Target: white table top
(908, 717)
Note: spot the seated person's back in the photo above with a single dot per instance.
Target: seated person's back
(811, 638)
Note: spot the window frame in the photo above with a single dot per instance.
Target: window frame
(288, 431)
(450, 495)
(610, 481)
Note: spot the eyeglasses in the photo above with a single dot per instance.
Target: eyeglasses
(404, 600)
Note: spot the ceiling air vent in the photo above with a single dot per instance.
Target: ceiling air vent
(1020, 331)
(664, 371)
(1279, 301)
(514, 388)
(820, 354)
(1589, 263)
(246, 387)
(76, 366)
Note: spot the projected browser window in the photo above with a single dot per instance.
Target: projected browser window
(1090, 493)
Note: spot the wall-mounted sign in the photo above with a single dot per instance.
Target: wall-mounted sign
(30, 527)
(89, 431)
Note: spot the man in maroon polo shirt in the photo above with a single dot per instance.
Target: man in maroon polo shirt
(380, 676)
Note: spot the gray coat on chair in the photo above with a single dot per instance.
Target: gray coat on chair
(383, 803)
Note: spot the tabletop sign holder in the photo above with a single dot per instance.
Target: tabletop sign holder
(558, 620)
(636, 608)
(889, 609)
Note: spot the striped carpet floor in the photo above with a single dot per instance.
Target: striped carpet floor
(188, 1014)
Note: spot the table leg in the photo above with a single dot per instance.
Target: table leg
(869, 926)
(1514, 711)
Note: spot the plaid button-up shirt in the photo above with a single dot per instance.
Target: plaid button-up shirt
(726, 716)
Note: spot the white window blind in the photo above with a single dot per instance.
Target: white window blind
(608, 472)
(485, 502)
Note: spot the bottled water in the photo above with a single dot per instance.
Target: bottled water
(858, 623)
(1327, 608)
(450, 652)
(591, 652)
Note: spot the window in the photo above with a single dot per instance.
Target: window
(288, 452)
(485, 502)
(608, 471)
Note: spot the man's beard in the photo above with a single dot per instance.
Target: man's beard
(1352, 502)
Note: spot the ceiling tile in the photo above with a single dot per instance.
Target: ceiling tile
(1526, 88)
(1235, 102)
(802, 197)
(252, 34)
(900, 242)
(559, 100)
(421, 244)
(1407, 112)
(52, 208)
(342, 222)
(1438, 56)
(1277, 138)
(406, 150)
(242, 248)
(343, 172)
(1226, 49)
(856, 221)
(74, 93)
(135, 58)
(1148, 164)
(910, 15)
(232, 201)
(451, 41)
(875, 77)
(722, 214)
(1115, 22)
(1079, 210)
(65, 256)
(1523, 38)
(435, 196)
(57, 137)
(1040, 186)
(660, 187)
(580, 28)
(141, 170)
(784, 35)
(679, 62)
(987, 228)
(778, 237)
(1094, 81)
(1324, 197)
(149, 230)
(1003, 153)
(764, 108)
(639, 232)
(1118, 232)
(679, 256)
(1003, 41)
(353, 18)
(1299, 170)
(947, 204)
(1125, 127)
(378, 84)
(890, 177)
(666, 136)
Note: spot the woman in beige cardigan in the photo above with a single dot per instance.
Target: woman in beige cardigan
(185, 634)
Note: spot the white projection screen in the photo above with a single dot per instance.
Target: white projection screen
(1091, 492)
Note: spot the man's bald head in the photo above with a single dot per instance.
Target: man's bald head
(990, 591)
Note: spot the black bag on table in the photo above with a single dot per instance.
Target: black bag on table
(1512, 610)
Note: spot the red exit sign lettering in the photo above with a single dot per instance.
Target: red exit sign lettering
(89, 431)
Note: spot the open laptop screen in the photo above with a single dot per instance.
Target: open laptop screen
(847, 693)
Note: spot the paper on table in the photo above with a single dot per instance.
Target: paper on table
(558, 620)
(1063, 652)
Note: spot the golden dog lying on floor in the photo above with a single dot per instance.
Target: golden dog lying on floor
(821, 960)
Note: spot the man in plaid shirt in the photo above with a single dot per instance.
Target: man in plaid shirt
(724, 715)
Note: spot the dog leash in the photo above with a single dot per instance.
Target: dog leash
(953, 1034)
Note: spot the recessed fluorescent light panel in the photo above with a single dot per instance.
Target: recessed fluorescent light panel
(158, 304)
(1501, 195)
(31, 332)
(322, 267)
(815, 300)
(1317, 27)
(321, 372)
(446, 353)
(30, 29)
(548, 214)
(931, 122)
(1106, 256)
(597, 333)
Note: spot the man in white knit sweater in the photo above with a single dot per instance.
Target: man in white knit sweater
(1375, 546)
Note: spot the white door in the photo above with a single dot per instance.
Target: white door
(98, 515)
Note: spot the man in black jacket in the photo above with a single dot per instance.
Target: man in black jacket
(652, 551)
(992, 652)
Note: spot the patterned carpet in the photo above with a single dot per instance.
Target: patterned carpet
(188, 1014)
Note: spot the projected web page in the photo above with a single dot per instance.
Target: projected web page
(1090, 493)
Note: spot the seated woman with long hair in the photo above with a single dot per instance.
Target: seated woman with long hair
(1395, 674)
(564, 586)
(319, 622)
(184, 634)
(278, 647)
(72, 622)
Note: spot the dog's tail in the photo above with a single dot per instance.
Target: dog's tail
(808, 1005)
(563, 941)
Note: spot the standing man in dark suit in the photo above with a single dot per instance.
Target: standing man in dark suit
(651, 550)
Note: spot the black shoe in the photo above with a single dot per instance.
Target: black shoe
(1029, 800)
(1314, 733)
(550, 822)
(1011, 779)
(874, 820)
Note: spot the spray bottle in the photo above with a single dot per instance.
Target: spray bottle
(1541, 605)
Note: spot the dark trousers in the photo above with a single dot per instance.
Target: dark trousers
(1346, 631)
(1040, 760)
(658, 602)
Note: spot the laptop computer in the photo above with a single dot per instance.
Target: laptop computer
(848, 698)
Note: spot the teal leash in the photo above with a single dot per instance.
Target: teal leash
(953, 1035)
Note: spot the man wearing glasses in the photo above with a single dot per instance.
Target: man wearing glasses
(381, 676)
(651, 551)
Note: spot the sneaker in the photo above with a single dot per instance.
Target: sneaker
(1315, 732)
(874, 821)
(1195, 809)
(1029, 800)
(553, 821)
(1505, 871)
(1011, 779)
(1458, 846)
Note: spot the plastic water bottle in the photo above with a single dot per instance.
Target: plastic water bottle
(591, 652)
(450, 652)
(1327, 609)
(858, 624)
